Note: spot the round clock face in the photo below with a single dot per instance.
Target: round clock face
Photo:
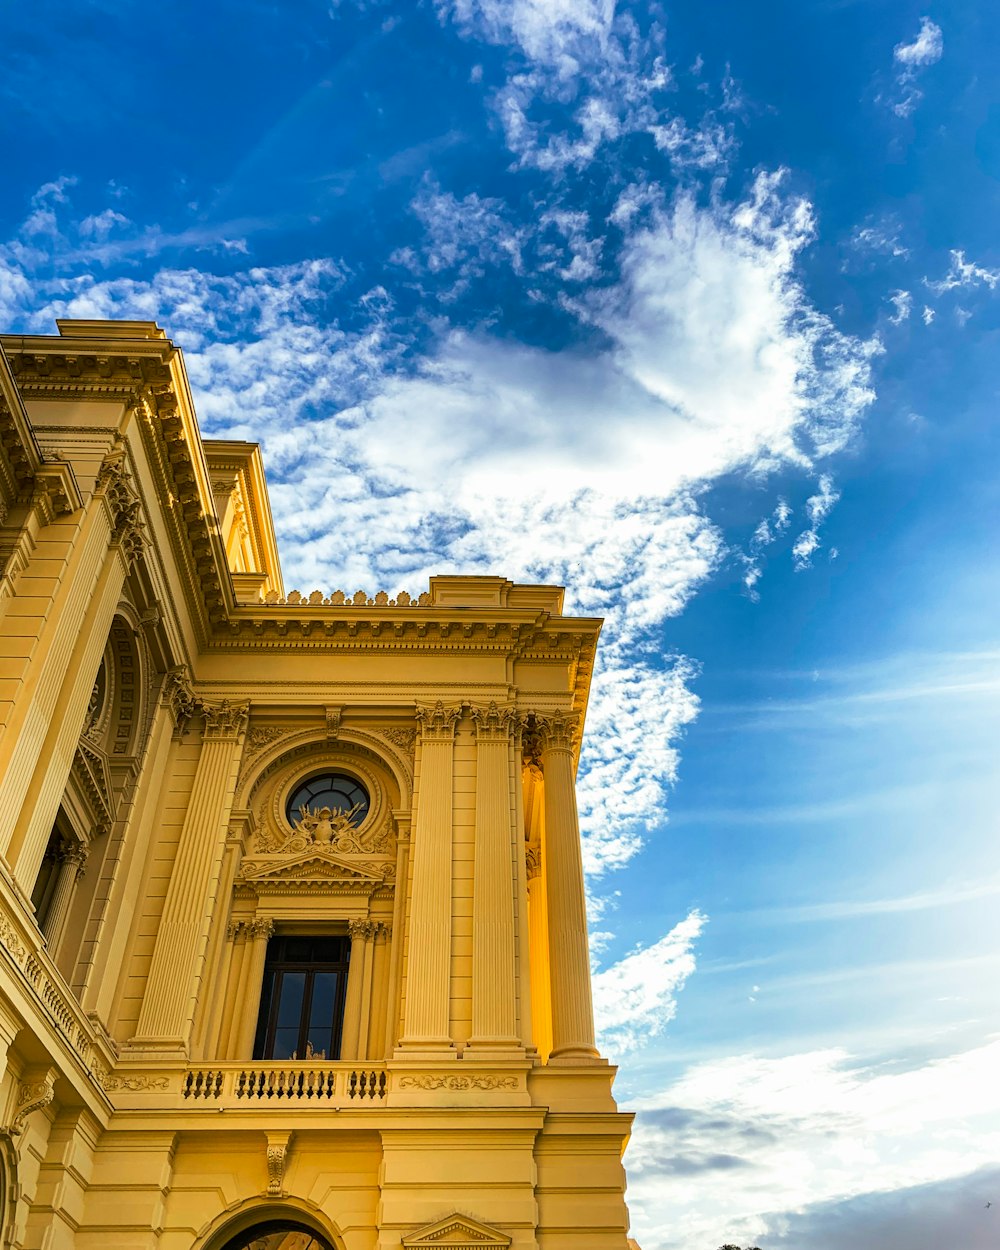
(336, 791)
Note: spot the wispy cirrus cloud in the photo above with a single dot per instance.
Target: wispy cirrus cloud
(926, 48)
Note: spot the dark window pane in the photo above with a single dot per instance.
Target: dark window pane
(324, 996)
(286, 1044)
(337, 791)
(293, 985)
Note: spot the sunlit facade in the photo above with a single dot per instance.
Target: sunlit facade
(293, 948)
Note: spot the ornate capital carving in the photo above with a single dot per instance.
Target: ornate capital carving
(361, 929)
(556, 731)
(225, 719)
(493, 723)
(73, 853)
(260, 930)
(437, 723)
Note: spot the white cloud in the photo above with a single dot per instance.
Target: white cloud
(636, 998)
(964, 273)
(925, 49)
(738, 1144)
(553, 32)
(483, 452)
(902, 302)
(928, 315)
(818, 508)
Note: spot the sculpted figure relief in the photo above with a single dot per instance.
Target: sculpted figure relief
(325, 827)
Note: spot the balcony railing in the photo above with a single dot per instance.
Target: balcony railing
(257, 1084)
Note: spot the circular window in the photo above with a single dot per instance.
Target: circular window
(336, 791)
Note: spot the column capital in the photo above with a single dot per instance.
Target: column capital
(549, 731)
(73, 853)
(493, 723)
(437, 723)
(225, 721)
(361, 929)
(259, 930)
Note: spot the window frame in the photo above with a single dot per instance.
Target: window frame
(276, 965)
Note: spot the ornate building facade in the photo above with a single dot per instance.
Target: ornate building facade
(293, 948)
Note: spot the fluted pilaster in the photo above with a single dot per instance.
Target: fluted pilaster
(427, 1020)
(171, 990)
(259, 933)
(494, 1007)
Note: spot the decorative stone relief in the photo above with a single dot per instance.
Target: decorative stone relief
(32, 1095)
(458, 1082)
(457, 1232)
(405, 738)
(140, 1084)
(277, 1158)
(115, 481)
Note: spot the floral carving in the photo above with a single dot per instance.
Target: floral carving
(404, 738)
(458, 1082)
(140, 1084)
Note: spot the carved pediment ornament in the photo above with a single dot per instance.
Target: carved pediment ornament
(317, 864)
(458, 1232)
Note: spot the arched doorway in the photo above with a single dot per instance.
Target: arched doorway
(277, 1235)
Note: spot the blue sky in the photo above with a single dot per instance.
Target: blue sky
(695, 309)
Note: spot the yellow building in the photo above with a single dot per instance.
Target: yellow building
(292, 938)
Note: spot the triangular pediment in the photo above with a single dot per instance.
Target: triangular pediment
(458, 1232)
(313, 865)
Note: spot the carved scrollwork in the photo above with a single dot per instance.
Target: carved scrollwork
(533, 860)
(180, 697)
(32, 1095)
(277, 1158)
(404, 738)
(458, 1082)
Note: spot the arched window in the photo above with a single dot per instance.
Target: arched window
(278, 1235)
